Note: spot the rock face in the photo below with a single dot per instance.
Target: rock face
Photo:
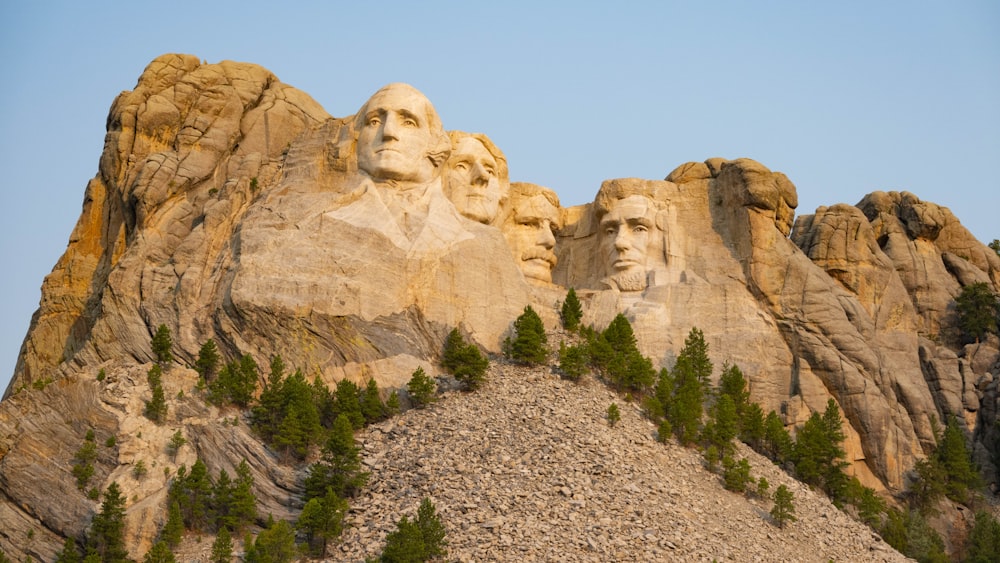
(231, 206)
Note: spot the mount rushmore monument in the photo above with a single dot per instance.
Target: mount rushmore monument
(231, 206)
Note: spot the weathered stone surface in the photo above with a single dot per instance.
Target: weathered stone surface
(231, 206)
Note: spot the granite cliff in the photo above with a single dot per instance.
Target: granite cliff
(230, 206)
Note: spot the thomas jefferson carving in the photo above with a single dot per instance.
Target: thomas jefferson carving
(476, 179)
(532, 217)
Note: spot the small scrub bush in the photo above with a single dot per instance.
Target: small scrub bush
(613, 415)
(421, 388)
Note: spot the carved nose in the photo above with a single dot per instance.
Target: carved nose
(545, 237)
(480, 177)
(389, 129)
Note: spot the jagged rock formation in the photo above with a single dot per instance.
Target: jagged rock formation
(231, 206)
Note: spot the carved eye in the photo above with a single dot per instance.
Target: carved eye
(461, 165)
(409, 122)
(373, 121)
(491, 171)
(639, 229)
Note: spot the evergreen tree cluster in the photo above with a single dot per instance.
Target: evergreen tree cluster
(947, 472)
(464, 361)
(235, 384)
(613, 354)
(199, 503)
(274, 544)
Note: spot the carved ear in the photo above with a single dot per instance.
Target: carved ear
(438, 158)
(662, 219)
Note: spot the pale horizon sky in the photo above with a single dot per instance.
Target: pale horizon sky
(845, 98)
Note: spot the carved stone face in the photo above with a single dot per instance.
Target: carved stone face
(529, 234)
(472, 180)
(626, 237)
(395, 136)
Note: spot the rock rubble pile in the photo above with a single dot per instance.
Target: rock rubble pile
(528, 469)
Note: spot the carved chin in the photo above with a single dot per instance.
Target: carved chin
(632, 280)
(537, 270)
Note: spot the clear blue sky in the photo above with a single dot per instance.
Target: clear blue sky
(844, 97)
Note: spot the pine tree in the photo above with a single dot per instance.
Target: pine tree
(778, 443)
(222, 547)
(691, 377)
(193, 492)
(783, 510)
(208, 360)
(464, 361)
(340, 465)
(107, 529)
(83, 461)
(613, 415)
(978, 309)
(928, 485)
(347, 399)
(392, 406)
(322, 520)
(724, 424)
(530, 344)
(984, 539)
(275, 544)
(236, 383)
(572, 361)
(736, 474)
(818, 454)
(159, 553)
(222, 499)
(372, 407)
(955, 459)
(752, 427)
(571, 311)
(732, 383)
(405, 544)
(421, 388)
(243, 507)
(156, 407)
(69, 553)
(173, 530)
(687, 402)
(162, 345)
(621, 362)
(297, 417)
(432, 531)
(266, 415)
(175, 444)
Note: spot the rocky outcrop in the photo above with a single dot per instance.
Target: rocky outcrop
(231, 206)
